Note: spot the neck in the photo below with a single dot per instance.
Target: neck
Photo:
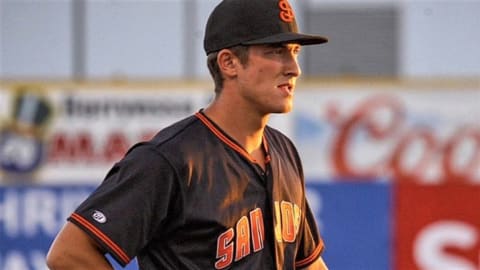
(245, 126)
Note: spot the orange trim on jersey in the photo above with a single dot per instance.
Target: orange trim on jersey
(105, 239)
(310, 259)
(229, 142)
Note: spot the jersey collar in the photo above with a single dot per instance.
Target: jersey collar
(215, 129)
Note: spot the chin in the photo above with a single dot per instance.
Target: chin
(283, 110)
(284, 107)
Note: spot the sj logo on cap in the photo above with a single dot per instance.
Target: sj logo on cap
(286, 11)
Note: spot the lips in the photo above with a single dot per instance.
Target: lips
(286, 88)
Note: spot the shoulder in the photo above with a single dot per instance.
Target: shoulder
(276, 137)
(158, 158)
(189, 129)
(183, 141)
(185, 127)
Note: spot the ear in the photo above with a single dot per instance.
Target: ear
(227, 62)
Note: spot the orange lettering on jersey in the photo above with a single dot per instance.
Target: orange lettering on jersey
(287, 221)
(286, 11)
(243, 238)
(225, 249)
(258, 229)
(278, 222)
(248, 234)
(297, 217)
(288, 227)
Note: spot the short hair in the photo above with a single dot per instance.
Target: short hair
(241, 51)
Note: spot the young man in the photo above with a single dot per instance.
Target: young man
(219, 189)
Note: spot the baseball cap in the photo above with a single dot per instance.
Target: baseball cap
(250, 22)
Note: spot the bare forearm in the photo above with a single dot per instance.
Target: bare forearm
(73, 249)
(68, 262)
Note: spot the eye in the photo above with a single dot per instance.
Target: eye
(276, 50)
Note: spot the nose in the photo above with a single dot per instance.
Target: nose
(292, 68)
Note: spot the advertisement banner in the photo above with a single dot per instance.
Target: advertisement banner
(75, 134)
(426, 135)
(437, 226)
(354, 220)
(30, 218)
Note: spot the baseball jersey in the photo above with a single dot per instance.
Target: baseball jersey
(193, 198)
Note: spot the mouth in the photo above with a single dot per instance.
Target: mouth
(287, 88)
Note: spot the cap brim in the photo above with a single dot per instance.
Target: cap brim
(291, 37)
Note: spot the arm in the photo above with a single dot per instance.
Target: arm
(319, 264)
(73, 249)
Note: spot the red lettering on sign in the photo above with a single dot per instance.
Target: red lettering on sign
(411, 153)
(84, 147)
(64, 147)
(454, 171)
(116, 146)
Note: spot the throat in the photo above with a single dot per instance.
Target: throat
(259, 156)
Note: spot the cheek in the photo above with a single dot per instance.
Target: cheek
(262, 73)
(257, 72)
(254, 76)
(260, 70)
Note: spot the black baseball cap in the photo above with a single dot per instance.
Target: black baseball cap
(250, 22)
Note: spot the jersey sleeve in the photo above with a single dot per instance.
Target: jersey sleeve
(131, 204)
(311, 244)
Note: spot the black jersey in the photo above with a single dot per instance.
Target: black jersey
(193, 198)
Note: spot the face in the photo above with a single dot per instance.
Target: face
(267, 81)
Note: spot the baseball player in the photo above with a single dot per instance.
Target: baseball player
(219, 189)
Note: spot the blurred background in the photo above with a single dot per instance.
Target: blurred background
(386, 118)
